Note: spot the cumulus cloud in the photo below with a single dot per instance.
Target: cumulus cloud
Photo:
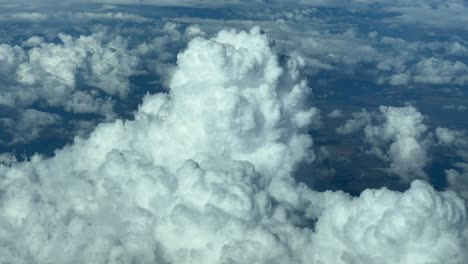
(55, 73)
(33, 17)
(417, 226)
(203, 175)
(457, 142)
(436, 71)
(337, 113)
(243, 106)
(402, 62)
(26, 125)
(89, 76)
(356, 123)
(458, 179)
(397, 135)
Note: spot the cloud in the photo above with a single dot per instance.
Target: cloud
(450, 16)
(417, 226)
(26, 125)
(436, 71)
(55, 73)
(353, 125)
(10, 57)
(188, 3)
(337, 113)
(33, 17)
(397, 135)
(93, 72)
(33, 41)
(203, 175)
(243, 106)
(118, 16)
(458, 179)
(246, 110)
(457, 142)
(459, 108)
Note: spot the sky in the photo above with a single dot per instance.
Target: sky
(264, 131)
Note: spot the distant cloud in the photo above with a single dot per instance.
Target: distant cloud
(33, 16)
(457, 142)
(458, 179)
(397, 135)
(50, 72)
(26, 125)
(460, 108)
(118, 16)
(337, 113)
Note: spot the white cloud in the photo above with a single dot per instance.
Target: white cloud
(189, 3)
(450, 16)
(457, 142)
(436, 71)
(10, 57)
(458, 179)
(203, 175)
(353, 125)
(23, 16)
(398, 136)
(337, 113)
(117, 16)
(418, 226)
(455, 139)
(243, 106)
(460, 108)
(251, 78)
(51, 72)
(33, 41)
(451, 137)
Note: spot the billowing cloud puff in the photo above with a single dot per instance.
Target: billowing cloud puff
(458, 179)
(203, 175)
(355, 124)
(234, 102)
(55, 73)
(456, 139)
(10, 58)
(436, 71)
(256, 115)
(381, 226)
(397, 135)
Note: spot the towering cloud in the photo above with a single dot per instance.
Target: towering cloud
(203, 175)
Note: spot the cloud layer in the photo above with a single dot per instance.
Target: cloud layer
(203, 174)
